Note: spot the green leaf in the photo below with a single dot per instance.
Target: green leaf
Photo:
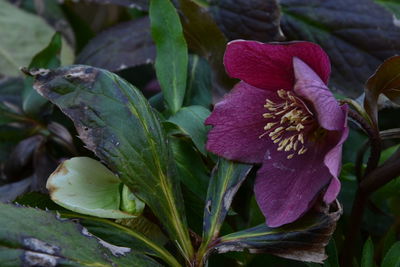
(49, 57)
(357, 42)
(31, 237)
(146, 227)
(367, 259)
(386, 80)
(130, 203)
(225, 182)
(333, 259)
(115, 121)
(198, 91)
(302, 240)
(85, 186)
(192, 171)
(119, 234)
(138, 233)
(172, 53)
(389, 239)
(18, 29)
(392, 188)
(191, 122)
(392, 258)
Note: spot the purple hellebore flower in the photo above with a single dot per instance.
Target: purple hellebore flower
(283, 116)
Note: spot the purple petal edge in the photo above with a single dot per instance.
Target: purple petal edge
(310, 87)
(333, 160)
(238, 122)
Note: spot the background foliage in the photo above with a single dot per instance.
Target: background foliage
(147, 126)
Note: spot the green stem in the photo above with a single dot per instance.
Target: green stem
(162, 253)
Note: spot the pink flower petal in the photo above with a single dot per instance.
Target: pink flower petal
(333, 161)
(269, 66)
(286, 189)
(238, 122)
(308, 85)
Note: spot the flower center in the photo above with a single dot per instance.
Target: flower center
(288, 119)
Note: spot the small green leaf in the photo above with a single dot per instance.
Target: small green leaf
(130, 203)
(191, 122)
(116, 122)
(172, 53)
(386, 80)
(302, 240)
(32, 237)
(392, 258)
(22, 36)
(387, 153)
(225, 182)
(85, 186)
(49, 58)
(367, 259)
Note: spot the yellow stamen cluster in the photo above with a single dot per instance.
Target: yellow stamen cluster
(288, 119)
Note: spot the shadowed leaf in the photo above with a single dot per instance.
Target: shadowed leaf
(391, 258)
(392, 5)
(192, 171)
(190, 121)
(367, 259)
(126, 45)
(302, 240)
(11, 191)
(139, 238)
(199, 86)
(205, 38)
(42, 239)
(357, 35)
(139, 4)
(115, 121)
(18, 164)
(253, 20)
(386, 80)
(52, 12)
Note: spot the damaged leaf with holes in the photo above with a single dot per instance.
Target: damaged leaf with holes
(43, 239)
(106, 111)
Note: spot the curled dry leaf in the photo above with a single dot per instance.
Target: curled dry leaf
(302, 240)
